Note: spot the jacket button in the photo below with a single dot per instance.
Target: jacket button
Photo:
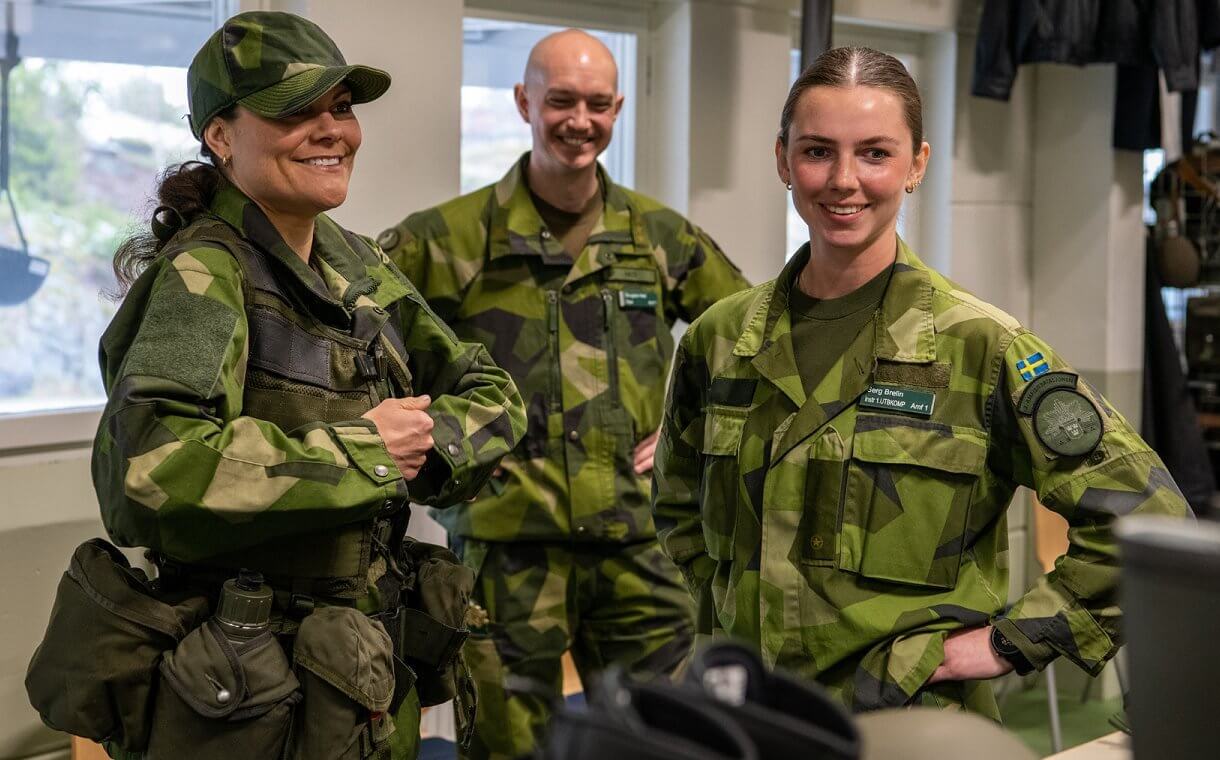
(581, 529)
(546, 234)
(573, 435)
(381, 470)
(454, 449)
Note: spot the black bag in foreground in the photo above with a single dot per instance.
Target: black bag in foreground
(783, 715)
(645, 721)
(728, 705)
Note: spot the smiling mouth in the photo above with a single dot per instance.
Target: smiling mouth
(575, 142)
(841, 210)
(321, 161)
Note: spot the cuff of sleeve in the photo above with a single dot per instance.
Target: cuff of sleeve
(1071, 632)
(452, 446)
(1039, 654)
(364, 447)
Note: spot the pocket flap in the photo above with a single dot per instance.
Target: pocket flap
(722, 427)
(351, 652)
(106, 577)
(218, 679)
(939, 449)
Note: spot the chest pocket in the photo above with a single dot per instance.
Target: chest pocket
(722, 430)
(907, 500)
(638, 340)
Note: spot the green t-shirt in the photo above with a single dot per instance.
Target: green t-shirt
(822, 329)
(572, 230)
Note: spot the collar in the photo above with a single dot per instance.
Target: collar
(904, 331)
(352, 274)
(517, 229)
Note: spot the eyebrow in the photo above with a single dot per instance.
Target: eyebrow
(878, 139)
(565, 92)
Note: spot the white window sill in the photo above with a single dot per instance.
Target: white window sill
(38, 432)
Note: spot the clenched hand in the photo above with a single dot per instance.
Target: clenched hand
(406, 429)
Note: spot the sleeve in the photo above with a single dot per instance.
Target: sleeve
(1045, 416)
(478, 413)
(177, 467)
(423, 249)
(1175, 43)
(677, 472)
(996, 50)
(701, 272)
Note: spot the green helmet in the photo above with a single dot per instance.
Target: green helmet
(274, 64)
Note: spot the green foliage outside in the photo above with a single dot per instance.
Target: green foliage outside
(86, 145)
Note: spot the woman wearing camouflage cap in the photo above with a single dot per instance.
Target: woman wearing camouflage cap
(277, 390)
(841, 444)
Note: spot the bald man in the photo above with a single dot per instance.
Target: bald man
(573, 283)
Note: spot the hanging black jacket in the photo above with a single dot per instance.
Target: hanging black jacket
(1161, 33)
(1168, 421)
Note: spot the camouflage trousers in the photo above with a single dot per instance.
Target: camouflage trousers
(606, 604)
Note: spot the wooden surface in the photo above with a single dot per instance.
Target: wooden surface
(1050, 536)
(83, 749)
(1115, 746)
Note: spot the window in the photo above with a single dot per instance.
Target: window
(97, 106)
(493, 135)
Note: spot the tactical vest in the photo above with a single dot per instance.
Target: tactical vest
(303, 368)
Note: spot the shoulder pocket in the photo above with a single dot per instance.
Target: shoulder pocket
(909, 489)
(722, 431)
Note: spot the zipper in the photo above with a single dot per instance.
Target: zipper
(611, 348)
(552, 326)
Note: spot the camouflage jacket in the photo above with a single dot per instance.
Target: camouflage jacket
(180, 468)
(587, 341)
(848, 530)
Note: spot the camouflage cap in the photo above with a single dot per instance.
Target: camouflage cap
(274, 64)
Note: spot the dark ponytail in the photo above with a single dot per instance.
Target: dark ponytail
(184, 191)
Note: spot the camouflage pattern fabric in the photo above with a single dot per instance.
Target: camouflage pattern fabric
(606, 604)
(587, 341)
(274, 64)
(180, 467)
(177, 466)
(847, 541)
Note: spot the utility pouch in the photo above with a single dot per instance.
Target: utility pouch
(93, 674)
(432, 627)
(220, 699)
(345, 664)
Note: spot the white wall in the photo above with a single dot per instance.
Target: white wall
(739, 75)
(47, 510)
(409, 157)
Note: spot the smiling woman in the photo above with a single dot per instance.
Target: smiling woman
(274, 384)
(840, 445)
(294, 167)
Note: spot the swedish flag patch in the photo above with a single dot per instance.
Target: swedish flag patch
(1032, 366)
